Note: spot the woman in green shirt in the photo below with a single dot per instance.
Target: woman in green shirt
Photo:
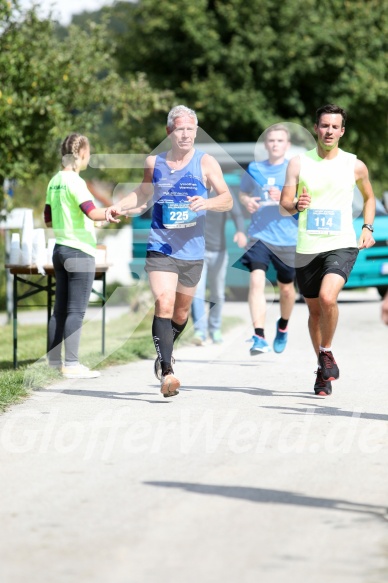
(71, 212)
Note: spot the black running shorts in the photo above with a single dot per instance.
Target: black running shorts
(259, 255)
(311, 269)
(189, 272)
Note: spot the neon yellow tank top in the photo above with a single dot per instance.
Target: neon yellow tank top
(65, 192)
(328, 223)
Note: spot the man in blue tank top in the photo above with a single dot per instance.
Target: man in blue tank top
(272, 238)
(178, 182)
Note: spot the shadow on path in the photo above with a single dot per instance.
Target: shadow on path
(257, 391)
(267, 496)
(330, 412)
(106, 395)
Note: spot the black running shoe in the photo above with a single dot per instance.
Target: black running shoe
(158, 367)
(321, 387)
(330, 370)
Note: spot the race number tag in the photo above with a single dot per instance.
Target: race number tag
(323, 222)
(177, 215)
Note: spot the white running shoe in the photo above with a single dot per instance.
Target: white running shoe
(169, 385)
(79, 371)
(56, 365)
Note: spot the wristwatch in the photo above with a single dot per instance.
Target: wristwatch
(368, 226)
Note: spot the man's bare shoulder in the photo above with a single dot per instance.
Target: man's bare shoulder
(360, 167)
(150, 161)
(207, 158)
(294, 164)
(209, 162)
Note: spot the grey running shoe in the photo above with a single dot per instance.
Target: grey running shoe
(158, 367)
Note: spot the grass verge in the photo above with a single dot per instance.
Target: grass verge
(127, 339)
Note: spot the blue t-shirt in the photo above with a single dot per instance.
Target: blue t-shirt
(267, 224)
(175, 229)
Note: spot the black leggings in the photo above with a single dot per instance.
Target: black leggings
(74, 274)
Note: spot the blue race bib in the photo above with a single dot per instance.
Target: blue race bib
(323, 222)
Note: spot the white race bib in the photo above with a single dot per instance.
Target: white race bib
(323, 221)
(177, 215)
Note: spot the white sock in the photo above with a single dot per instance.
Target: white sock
(322, 349)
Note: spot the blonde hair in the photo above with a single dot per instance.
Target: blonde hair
(277, 127)
(70, 149)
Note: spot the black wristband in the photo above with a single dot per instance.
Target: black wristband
(296, 206)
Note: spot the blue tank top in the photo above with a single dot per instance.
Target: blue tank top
(267, 224)
(175, 229)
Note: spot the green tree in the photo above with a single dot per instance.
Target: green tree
(47, 89)
(244, 65)
(137, 117)
(52, 84)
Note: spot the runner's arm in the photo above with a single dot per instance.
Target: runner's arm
(237, 215)
(251, 203)
(246, 194)
(365, 187)
(369, 210)
(135, 202)
(238, 218)
(288, 197)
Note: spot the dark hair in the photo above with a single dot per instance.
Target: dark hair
(71, 147)
(330, 108)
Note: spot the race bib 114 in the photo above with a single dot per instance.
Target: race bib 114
(323, 221)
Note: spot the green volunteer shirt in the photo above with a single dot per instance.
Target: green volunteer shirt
(65, 192)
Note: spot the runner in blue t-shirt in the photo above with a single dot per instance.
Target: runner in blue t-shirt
(178, 181)
(272, 238)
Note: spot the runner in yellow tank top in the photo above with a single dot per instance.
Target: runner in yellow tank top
(319, 186)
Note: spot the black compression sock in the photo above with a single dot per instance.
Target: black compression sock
(177, 329)
(163, 338)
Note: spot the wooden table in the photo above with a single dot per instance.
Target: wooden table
(28, 275)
